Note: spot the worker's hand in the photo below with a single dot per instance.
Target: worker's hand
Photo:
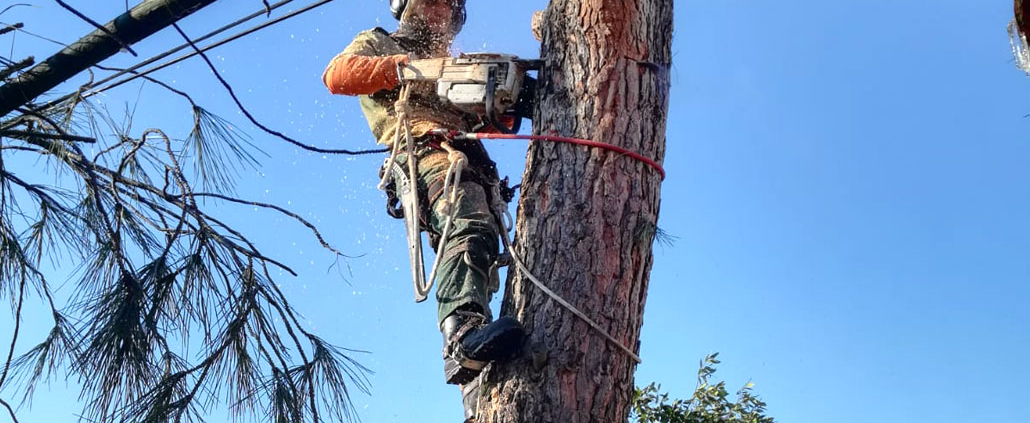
(424, 69)
(403, 59)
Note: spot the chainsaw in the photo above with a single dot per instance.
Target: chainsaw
(488, 85)
(482, 84)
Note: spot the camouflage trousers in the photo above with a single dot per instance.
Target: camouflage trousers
(463, 277)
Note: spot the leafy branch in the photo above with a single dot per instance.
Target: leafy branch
(710, 403)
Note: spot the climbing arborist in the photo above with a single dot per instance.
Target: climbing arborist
(368, 68)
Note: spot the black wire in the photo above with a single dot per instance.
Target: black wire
(246, 113)
(169, 53)
(13, 6)
(110, 69)
(33, 34)
(153, 80)
(97, 25)
(191, 43)
(234, 24)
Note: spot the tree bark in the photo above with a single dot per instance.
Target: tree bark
(587, 217)
(130, 27)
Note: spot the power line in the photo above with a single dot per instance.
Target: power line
(33, 34)
(255, 121)
(97, 25)
(200, 51)
(201, 39)
(159, 56)
(212, 46)
(13, 6)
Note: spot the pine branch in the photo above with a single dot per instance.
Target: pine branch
(62, 137)
(200, 276)
(143, 20)
(293, 215)
(17, 329)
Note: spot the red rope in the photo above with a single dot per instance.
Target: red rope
(588, 143)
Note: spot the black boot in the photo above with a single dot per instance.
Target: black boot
(470, 343)
(470, 399)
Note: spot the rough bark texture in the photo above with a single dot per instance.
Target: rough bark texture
(138, 23)
(587, 217)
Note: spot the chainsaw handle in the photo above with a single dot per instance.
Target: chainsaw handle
(491, 114)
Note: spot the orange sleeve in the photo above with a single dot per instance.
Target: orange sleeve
(351, 74)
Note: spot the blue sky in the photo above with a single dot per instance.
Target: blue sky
(847, 182)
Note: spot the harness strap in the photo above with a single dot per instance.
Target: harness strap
(459, 161)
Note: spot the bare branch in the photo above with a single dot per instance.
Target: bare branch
(143, 20)
(16, 67)
(97, 26)
(62, 137)
(17, 328)
(295, 216)
(20, 148)
(179, 48)
(10, 28)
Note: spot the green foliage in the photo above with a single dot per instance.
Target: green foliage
(710, 403)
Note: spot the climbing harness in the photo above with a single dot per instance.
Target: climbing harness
(508, 256)
(479, 84)
(472, 85)
(407, 190)
(451, 186)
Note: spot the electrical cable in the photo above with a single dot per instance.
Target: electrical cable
(159, 56)
(98, 26)
(255, 121)
(205, 49)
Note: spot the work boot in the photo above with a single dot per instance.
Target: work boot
(470, 343)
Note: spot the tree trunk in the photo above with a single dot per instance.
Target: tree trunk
(130, 27)
(587, 218)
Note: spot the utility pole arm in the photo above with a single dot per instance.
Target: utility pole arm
(142, 21)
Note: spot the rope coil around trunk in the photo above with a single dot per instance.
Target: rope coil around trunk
(500, 208)
(568, 140)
